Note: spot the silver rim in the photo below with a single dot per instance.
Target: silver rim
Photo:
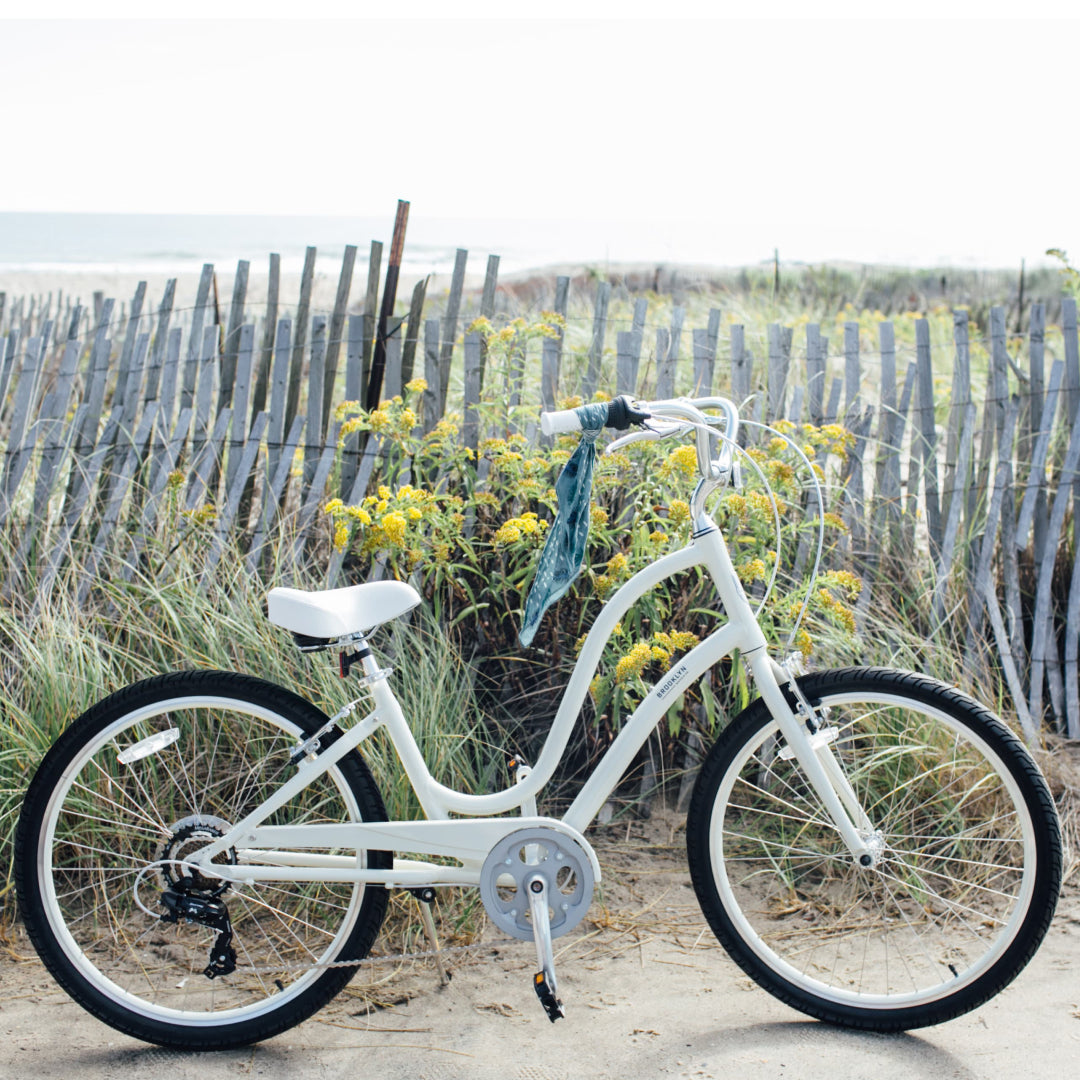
(107, 822)
(947, 899)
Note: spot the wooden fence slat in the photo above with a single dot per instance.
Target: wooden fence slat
(166, 397)
(450, 325)
(169, 459)
(89, 469)
(266, 353)
(433, 395)
(741, 365)
(313, 440)
(983, 565)
(136, 369)
(299, 338)
(665, 365)
(278, 392)
(795, 409)
(678, 317)
(414, 321)
(952, 523)
(207, 461)
(1042, 634)
(157, 351)
(470, 426)
(487, 306)
(315, 494)
(887, 493)
(1036, 481)
(625, 368)
(57, 447)
(354, 356)
(928, 430)
(204, 398)
(230, 347)
(370, 314)
(127, 351)
(703, 364)
(375, 393)
(392, 377)
(591, 381)
(335, 334)
(119, 482)
(21, 412)
(1072, 355)
(777, 385)
(549, 379)
(637, 324)
(195, 337)
(245, 465)
(815, 375)
(832, 409)
(11, 346)
(273, 490)
(1037, 387)
(958, 403)
(245, 358)
(852, 369)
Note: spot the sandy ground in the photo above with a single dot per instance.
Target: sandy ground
(648, 994)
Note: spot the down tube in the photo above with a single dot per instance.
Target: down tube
(644, 718)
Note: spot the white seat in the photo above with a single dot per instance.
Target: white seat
(332, 613)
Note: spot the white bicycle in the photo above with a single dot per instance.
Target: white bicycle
(203, 858)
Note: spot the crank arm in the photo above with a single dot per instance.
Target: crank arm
(544, 983)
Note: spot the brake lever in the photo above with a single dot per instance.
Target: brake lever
(650, 433)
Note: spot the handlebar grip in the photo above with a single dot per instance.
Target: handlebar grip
(560, 422)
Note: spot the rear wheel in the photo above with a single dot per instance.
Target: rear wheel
(965, 884)
(143, 779)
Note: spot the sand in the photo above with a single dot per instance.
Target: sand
(649, 996)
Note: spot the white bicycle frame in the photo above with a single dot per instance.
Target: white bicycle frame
(284, 852)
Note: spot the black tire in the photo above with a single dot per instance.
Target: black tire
(90, 828)
(970, 842)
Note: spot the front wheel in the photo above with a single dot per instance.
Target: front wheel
(968, 867)
(142, 780)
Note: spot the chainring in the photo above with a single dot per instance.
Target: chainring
(518, 858)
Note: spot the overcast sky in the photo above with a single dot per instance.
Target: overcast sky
(939, 137)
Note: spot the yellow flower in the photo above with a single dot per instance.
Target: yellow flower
(683, 459)
(633, 663)
(753, 570)
(333, 506)
(358, 513)
(384, 491)
(341, 536)
(413, 514)
(508, 533)
(678, 512)
(804, 642)
(617, 564)
(597, 515)
(394, 526)
(658, 537)
(416, 386)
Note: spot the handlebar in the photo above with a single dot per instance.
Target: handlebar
(680, 412)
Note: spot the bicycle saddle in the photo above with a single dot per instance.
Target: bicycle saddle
(333, 613)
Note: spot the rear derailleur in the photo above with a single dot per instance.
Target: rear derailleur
(181, 902)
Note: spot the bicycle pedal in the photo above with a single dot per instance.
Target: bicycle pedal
(552, 1005)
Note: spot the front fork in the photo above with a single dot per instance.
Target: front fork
(809, 744)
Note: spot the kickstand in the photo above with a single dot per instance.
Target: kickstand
(433, 941)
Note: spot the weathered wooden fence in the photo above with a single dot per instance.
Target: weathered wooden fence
(103, 411)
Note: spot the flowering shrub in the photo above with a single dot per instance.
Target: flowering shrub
(470, 538)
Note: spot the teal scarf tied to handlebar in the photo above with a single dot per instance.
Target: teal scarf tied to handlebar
(564, 548)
